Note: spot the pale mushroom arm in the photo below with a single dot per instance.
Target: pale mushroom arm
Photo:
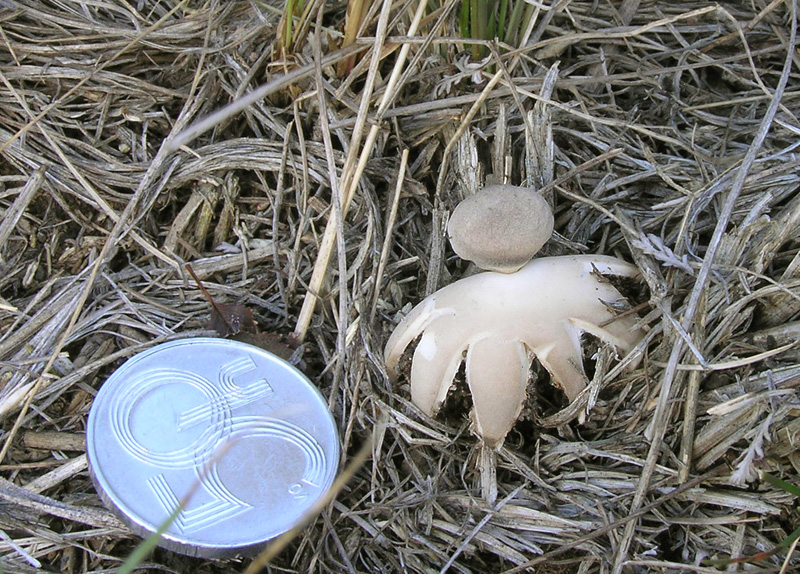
(409, 329)
(497, 375)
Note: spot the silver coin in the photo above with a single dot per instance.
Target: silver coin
(231, 443)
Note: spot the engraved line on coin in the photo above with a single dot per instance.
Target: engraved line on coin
(217, 422)
(234, 394)
(166, 498)
(255, 426)
(230, 371)
(223, 505)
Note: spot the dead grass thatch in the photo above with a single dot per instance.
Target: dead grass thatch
(297, 204)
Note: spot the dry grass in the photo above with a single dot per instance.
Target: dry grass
(695, 106)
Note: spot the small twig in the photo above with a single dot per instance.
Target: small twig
(210, 299)
(387, 240)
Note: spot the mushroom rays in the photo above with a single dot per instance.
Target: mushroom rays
(497, 319)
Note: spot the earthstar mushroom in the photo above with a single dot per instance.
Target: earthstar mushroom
(496, 322)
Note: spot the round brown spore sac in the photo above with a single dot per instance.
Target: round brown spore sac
(501, 227)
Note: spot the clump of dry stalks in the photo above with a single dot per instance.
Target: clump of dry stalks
(689, 106)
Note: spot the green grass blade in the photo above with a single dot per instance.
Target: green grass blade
(464, 20)
(782, 484)
(514, 23)
(482, 19)
(147, 545)
(289, 15)
(474, 26)
(785, 543)
(789, 540)
(501, 19)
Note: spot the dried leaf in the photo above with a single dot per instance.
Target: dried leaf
(238, 322)
(285, 347)
(226, 319)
